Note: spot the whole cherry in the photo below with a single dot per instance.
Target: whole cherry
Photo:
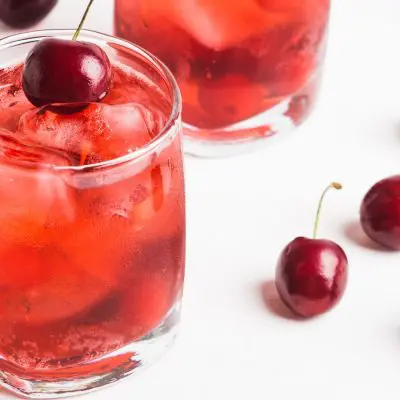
(380, 212)
(311, 275)
(64, 73)
(24, 13)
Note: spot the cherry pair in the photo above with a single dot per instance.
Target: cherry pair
(311, 274)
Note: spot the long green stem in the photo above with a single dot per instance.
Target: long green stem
(333, 185)
(78, 31)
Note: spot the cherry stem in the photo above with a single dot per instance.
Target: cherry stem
(78, 31)
(333, 185)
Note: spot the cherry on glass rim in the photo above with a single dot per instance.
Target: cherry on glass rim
(380, 212)
(311, 274)
(66, 72)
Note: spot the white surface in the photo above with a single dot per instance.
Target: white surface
(243, 210)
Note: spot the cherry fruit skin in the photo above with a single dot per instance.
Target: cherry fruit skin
(60, 71)
(311, 276)
(380, 212)
(24, 13)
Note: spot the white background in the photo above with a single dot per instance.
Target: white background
(243, 210)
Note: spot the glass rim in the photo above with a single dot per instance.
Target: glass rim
(165, 133)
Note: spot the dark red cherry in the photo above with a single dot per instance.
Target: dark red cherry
(66, 71)
(62, 72)
(311, 275)
(380, 212)
(24, 13)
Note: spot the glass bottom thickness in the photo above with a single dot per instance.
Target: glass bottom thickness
(97, 374)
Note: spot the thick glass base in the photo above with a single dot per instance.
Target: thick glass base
(253, 133)
(84, 378)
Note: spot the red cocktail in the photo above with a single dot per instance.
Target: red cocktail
(92, 225)
(247, 69)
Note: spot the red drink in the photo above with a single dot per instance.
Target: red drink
(246, 68)
(92, 228)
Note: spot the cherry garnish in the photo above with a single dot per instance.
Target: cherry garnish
(311, 274)
(24, 13)
(380, 212)
(61, 72)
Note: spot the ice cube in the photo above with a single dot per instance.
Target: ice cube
(35, 203)
(39, 280)
(55, 291)
(30, 202)
(98, 133)
(231, 98)
(129, 205)
(30, 198)
(127, 87)
(14, 150)
(13, 102)
(217, 25)
(132, 86)
(110, 217)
